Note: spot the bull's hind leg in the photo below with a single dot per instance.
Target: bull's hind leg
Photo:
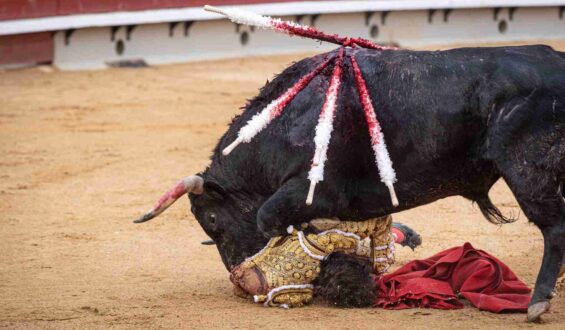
(537, 193)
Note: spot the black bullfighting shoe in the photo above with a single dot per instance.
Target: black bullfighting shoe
(406, 236)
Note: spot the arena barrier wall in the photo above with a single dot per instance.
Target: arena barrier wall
(94, 41)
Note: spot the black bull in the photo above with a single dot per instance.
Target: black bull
(454, 121)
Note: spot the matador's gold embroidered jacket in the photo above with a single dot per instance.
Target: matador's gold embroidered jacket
(281, 274)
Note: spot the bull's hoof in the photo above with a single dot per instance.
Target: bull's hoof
(536, 310)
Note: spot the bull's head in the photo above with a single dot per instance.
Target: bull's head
(226, 218)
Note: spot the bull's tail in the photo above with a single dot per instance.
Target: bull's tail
(489, 210)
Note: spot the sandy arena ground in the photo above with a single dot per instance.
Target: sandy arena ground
(84, 153)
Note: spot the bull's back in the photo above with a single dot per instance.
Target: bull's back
(434, 109)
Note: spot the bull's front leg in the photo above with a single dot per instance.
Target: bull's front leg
(288, 207)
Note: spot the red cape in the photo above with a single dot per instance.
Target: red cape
(486, 282)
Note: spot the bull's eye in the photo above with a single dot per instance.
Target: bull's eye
(212, 218)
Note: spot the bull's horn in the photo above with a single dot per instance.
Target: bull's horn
(208, 242)
(193, 184)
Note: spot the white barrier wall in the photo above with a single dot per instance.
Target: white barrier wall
(92, 48)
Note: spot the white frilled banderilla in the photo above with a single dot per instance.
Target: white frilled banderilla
(324, 127)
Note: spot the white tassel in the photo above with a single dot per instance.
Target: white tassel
(255, 125)
(382, 157)
(384, 164)
(324, 129)
(241, 16)
(260, 120)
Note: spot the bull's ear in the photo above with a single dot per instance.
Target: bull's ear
(214, 190)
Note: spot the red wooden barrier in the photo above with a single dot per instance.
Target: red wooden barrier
(14, 9)
(29, 48)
